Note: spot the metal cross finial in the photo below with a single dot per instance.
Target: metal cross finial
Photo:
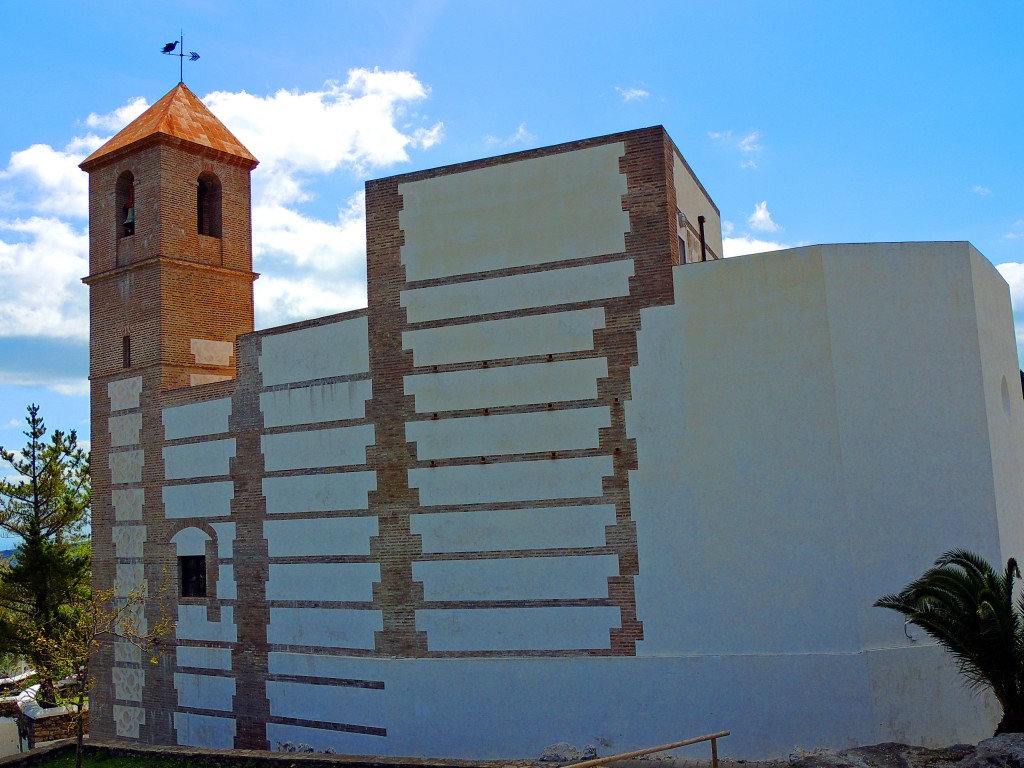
(169, 50)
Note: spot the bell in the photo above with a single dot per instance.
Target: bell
(130, 219)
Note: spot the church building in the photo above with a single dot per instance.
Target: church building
(570, 476)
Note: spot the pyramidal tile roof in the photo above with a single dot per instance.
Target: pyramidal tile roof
(181, 115)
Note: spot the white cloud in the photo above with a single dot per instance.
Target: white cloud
(521, 136)
(362, 125)
(761, 219)
(980, 190)
(354, 125)
(1016, 231)
(68, 385)
(749, 145)
(120, 117)
(48, 180)
(303, 241)
(330, 257)
(632, 94)
(745, 244)
(282, 299)
(41, 263)
(13, 424)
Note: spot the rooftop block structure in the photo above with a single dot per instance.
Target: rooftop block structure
(569, 476)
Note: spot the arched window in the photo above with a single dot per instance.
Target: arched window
(208, 205)
(124, 206)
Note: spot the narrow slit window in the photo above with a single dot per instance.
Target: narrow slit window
(124, 208)
(192, 575)
(126, 351)
(208, 203)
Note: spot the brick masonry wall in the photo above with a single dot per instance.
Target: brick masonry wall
(51, 728)
(167, 286)
(163, 286)
(651, 243)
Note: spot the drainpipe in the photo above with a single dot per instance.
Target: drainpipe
(703, 245)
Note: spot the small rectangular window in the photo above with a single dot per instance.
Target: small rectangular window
(192, 575)
(126, 351)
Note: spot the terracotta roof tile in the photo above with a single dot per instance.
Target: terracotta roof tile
(179, 114)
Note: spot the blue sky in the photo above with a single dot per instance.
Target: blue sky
(807, 122)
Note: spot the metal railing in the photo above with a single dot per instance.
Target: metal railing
(712, 737)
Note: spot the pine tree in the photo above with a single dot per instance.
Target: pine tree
(45, 505)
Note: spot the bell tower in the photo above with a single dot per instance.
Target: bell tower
(170, 290)
(170, 247)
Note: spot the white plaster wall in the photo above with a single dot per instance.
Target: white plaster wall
(128, 540)
(190, 542)
(128, 683)
(322, 402)
(507, 385)
(508, 433)
(206, 459)
(326, 627)
(124, 393)
(830, 444)
(1004, 405)
(517, 629)
(316, 448)
(772, 704)
(548, 333)
(322, 581)
(563, 285)
(323, 536)
(563, 206)
(332, 703)
(204, 691)
(203, 658)
(226, 587)
(511, 481)
(212, 352)
(196, 419)
(519, 578)
(127, 720)
(315, 665)
(225, 533)
(543, 528)
(694, 202)
(916, 451)
(198, 499)
(318, 493)
(126, 466)
(319, 352)
(129, 577)
(124, 429)
(127, 503)
(195, 379)
(193, 624)
(204, 730)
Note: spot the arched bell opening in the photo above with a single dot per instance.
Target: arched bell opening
(124, 206)
(208, 202)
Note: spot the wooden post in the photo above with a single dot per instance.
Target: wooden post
(712, 737)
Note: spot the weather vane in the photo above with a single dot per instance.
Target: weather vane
(192, 55)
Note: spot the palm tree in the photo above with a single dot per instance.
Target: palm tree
(969, 609)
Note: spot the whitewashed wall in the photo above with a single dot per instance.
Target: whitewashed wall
(316, 383)
(537, 212)
(198, 491)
